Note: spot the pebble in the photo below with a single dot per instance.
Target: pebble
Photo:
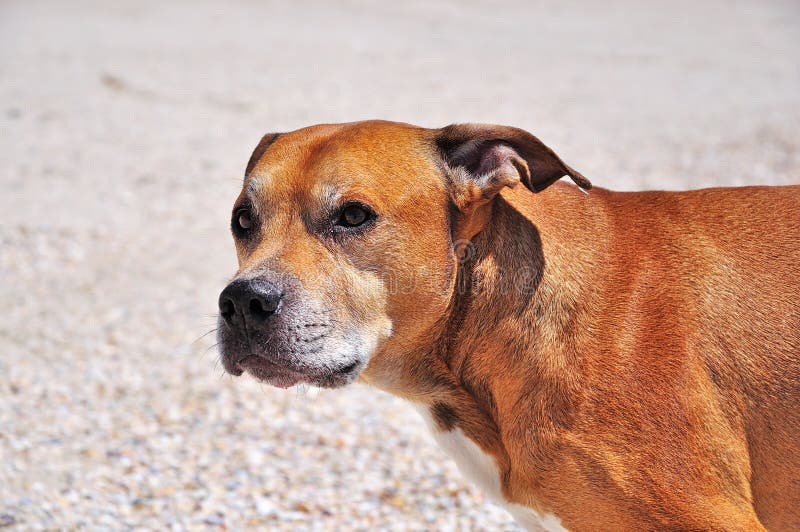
(145, 432)
(124, 155)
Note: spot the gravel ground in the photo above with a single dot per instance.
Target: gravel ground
(124, 130)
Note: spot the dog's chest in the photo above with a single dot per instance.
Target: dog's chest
(481, 469)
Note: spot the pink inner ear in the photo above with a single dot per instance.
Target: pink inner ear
(494, 157)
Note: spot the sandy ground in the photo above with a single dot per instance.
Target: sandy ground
(124, 130)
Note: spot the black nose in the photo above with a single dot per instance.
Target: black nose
(247, 304)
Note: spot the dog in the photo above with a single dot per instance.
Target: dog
(594, 360)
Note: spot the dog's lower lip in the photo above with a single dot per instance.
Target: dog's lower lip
(247, 360)
(281, 376)
(264, 370)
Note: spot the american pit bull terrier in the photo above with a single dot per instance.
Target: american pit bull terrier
(595, 361)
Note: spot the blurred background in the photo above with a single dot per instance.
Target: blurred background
(124, 131)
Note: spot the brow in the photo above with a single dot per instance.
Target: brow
(252, 187)
(329, 196)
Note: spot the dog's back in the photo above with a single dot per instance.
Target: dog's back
(724, 265)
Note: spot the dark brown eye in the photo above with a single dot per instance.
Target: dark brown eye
(242, 221)
(353, 216)
(245, 222)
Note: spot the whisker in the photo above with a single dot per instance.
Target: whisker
(215, 329)
(203, 356)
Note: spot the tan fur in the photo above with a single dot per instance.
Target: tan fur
(630, 360)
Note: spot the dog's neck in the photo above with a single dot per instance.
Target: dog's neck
(509, 330)
(508, 336)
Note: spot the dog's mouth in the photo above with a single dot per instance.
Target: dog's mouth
(266, 371)
(283, 377)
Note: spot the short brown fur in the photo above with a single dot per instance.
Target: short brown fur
(630, 360)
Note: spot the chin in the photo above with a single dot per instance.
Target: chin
(281, 372)
(282, 377)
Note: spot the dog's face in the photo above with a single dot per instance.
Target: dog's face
(342, 238)
(345, 241)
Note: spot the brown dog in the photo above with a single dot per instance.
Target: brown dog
(600, 361)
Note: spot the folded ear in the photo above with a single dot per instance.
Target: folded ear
(483, 158)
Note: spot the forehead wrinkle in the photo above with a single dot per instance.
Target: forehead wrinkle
(345, 177)
(325, 164)
(358, 158)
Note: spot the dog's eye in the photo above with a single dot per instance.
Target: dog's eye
(353, 216)
(245, 222)
(242, 221)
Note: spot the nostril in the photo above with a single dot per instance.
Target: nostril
(247, 304)
(262, 308)
(227, 310)
(256, 307)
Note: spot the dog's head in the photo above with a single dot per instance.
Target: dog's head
(347, 239)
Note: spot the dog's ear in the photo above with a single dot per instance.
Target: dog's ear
(481, 159)
(266, 142)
